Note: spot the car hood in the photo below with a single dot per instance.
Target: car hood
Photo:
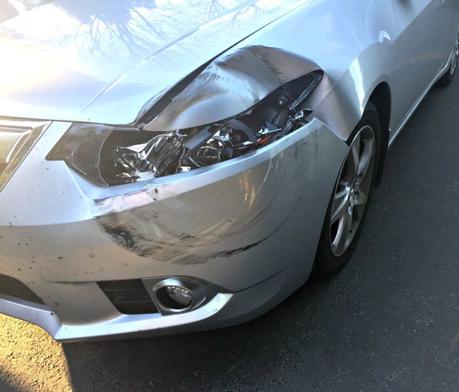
(103, 61)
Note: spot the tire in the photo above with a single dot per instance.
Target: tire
(448, 77)
(334, 250)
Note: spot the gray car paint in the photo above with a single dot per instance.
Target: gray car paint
(250, 225)
(231, 84)
(196, 218)
(103, 61)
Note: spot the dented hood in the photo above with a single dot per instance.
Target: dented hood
(102, 61)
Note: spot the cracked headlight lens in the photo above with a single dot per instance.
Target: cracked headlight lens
(108, 155)
(16, 140)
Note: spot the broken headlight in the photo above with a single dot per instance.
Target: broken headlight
(109, 155)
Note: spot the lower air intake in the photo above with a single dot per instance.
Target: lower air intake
(128, 296)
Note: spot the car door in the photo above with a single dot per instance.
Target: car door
(421, 46)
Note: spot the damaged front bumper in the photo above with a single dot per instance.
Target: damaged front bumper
(247, 227)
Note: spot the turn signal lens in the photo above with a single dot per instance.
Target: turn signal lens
(16, 140)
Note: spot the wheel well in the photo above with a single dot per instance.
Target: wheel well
(381, 98)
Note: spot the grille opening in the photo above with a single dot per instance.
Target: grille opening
(14, 288)
(128, 296)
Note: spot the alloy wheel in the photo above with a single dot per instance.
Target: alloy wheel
(352, 191)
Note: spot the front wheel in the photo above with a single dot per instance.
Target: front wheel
(349, 200)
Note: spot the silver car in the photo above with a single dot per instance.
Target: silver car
(172, 166)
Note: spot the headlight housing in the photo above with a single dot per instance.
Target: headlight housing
(108, 155)
(16, 140)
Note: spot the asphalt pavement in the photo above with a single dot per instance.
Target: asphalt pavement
(388, 321)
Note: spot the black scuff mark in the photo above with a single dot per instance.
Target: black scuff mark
(181, 250)
(139, 231)
(245, 248)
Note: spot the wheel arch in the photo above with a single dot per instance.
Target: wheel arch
(382, 99)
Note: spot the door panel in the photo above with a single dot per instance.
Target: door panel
(421, 50)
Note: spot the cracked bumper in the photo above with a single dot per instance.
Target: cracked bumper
(249, 227)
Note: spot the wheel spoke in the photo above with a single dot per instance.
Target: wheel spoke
(340, 204)
(344, 231)
(365, 161)
(355, 154)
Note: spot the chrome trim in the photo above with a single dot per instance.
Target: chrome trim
(197, 291)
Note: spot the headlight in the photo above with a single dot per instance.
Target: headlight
(109, 155)
(16, 140)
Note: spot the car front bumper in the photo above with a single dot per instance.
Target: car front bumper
(248, 227)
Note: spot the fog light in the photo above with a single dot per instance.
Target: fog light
(173, 296)
(178, 295)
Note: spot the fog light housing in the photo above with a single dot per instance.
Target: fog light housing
(178, 295)
(175, 298)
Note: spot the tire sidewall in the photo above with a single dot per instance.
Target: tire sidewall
(327, 264)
